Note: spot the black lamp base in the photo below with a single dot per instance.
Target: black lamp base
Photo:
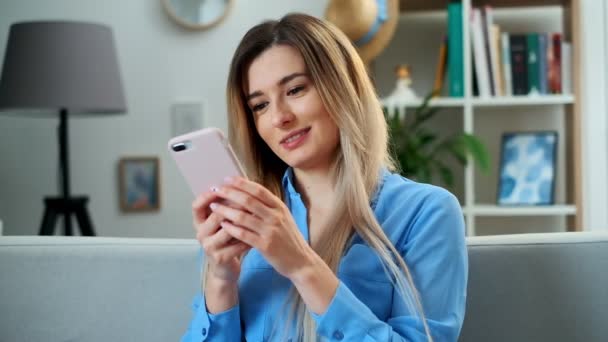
(57, 206)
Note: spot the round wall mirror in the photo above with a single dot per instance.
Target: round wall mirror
(197, 14)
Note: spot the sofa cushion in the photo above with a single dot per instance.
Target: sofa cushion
(537, 287)
(529, 287)
(96, 289)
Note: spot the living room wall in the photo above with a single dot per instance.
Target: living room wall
(160, 65)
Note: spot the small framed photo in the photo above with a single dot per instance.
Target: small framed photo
(527, 168)
(139, 184)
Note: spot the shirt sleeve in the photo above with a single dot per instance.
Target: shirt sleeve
(435, 252)
(224, 326)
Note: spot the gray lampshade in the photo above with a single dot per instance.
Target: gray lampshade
(61, 65)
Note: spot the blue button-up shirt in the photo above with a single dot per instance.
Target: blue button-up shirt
(425, 224)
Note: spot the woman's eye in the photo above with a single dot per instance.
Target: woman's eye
(295, 90)
(258, 107)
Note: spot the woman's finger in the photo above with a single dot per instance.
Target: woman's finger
(208, 227)
(242, 234)
(230, 252)
(254, 189)
(219, 240)
(200, 206)
(242, 200)
(238, 217)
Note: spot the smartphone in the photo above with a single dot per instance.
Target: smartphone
(204, 158)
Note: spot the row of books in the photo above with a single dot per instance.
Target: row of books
(503, 63)
(517, 63)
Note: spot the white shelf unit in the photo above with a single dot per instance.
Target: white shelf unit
(495, 210)
(523, 100)
(506, 101)
(428, 19)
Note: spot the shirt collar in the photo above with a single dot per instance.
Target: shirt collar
(287, 183)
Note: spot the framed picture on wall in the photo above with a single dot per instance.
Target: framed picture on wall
(527, 168)
(139, 184)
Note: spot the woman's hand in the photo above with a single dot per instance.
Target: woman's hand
(264, 223)
(223, 252)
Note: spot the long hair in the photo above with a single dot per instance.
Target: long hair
(341, 79)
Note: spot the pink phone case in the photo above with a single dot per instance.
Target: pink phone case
(204, 158)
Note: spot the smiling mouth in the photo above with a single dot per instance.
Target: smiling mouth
(295, 136)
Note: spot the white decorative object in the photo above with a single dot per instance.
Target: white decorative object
(402, 95)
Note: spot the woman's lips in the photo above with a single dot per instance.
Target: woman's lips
(295, 140)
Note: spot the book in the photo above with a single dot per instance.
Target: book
(555, 61)
(455, 54)
(506, 64)
(496, 61)
(566, 70)
(481, 67)
(542, 63)
(441, 66)
(474, 86)
(533, 64)
(519, 63)
(487, 15)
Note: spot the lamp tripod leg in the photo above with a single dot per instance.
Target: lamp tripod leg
(48, 220)
(84, 221)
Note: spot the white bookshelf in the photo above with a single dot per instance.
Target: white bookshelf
(505, 101)
(523, 100)
(428, 18)
(495, 210)
(443, 102)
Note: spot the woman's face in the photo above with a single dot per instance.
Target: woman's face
(288, 112)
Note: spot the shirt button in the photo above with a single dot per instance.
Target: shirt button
(338, 335)
(204, 331)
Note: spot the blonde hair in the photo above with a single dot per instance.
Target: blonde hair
(341, 80)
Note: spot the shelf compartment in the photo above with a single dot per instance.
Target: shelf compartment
(440, 102)
(497, 101)
(545, 210)
(430, 5)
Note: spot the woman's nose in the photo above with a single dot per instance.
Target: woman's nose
(282, 115)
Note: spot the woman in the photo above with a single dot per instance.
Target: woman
(322, 241)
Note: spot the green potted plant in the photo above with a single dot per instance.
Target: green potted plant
(421, 153)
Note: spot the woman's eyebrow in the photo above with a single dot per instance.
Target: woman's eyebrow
(282, 81)
(291, 77)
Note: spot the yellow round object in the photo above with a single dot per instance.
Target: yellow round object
(357, 17)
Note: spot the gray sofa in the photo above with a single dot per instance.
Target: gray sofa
(533, 287)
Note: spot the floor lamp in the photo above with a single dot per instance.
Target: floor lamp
(68, 68)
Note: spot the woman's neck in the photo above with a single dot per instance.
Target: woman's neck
(315, 186)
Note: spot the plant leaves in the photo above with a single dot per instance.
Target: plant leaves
(424, 116)
(477, 150)
(424, 105)
(420, 151)
(423, 174)
(447, 176)
(458, 150)
(426, 138)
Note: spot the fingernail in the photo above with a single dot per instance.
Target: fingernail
(228, 180)
(213, 206)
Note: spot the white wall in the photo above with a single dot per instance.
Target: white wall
(160, 63)
(594, 104)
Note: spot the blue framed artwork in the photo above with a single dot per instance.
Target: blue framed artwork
(139, 184)
(527, 168)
